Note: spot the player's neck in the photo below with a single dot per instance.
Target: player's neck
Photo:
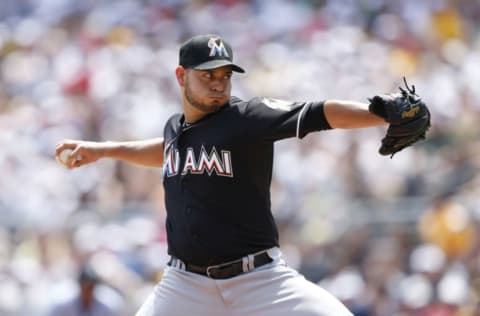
(192, 114)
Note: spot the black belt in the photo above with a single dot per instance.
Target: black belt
(225, 270)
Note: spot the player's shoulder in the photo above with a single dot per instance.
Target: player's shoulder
(173, 124)
(258, 106)
(243, 105)
(236, 102)
(174, 119)
(265, 104)
(239, 102)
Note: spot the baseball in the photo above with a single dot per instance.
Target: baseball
(64, 155)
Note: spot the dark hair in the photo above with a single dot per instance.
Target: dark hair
(88, 274)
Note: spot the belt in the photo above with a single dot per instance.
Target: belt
(225, 270)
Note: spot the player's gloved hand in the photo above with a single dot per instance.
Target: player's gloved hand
(408, 116)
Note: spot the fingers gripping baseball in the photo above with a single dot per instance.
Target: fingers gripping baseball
(74, 154)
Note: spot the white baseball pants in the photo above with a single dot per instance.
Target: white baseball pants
(270, 290)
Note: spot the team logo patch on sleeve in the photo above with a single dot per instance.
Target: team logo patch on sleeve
(277, 104)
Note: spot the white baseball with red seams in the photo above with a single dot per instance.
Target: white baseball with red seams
(64, 155)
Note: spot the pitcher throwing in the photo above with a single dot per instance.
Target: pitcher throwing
(217, 161)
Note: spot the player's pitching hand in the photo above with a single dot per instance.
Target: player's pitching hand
(76, 153)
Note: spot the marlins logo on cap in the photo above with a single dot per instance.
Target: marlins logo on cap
(204, 52)
(217, 47)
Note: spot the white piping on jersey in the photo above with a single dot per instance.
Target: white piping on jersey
(299, 118)
(166, 147)
(187, 127)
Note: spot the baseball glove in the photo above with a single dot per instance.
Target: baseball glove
(408, 116)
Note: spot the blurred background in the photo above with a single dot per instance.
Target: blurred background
(387, 236)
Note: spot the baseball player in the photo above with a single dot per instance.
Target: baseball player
(217, 167)
(86, 303)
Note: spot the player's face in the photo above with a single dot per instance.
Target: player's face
(208, 90)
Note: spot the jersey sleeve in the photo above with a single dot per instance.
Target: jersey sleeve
(273, 119)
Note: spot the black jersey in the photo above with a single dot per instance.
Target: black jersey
(217, 175)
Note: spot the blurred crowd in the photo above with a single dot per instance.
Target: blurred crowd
(387, 236)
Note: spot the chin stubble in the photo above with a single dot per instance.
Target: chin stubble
(199, 105)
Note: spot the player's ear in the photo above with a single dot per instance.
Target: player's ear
(180, 73)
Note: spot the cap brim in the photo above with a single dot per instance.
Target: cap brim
(212, 64)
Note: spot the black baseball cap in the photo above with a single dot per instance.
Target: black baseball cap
(209, 51)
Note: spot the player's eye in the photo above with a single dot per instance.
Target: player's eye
(228, 76)
(207, 75)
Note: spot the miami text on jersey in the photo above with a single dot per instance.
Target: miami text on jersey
(205, 163)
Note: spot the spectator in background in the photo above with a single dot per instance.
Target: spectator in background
(448, 225)
(86, 302)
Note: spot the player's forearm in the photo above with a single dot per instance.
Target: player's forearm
(350, 114)
(144, 152)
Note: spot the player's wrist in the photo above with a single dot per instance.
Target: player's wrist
(108, 149)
